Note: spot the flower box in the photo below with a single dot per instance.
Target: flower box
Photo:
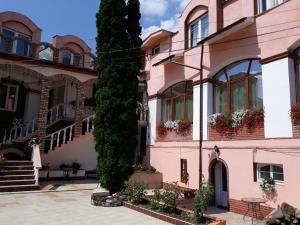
(168, 218)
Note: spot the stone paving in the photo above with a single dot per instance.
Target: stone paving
(65, 208)
(68, 203)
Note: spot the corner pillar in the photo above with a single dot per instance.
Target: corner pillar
(79, 109)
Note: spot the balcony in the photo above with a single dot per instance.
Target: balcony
(43, 51)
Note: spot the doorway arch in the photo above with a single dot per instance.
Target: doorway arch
(219, 179)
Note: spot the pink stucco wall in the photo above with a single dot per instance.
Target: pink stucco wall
(271, 33)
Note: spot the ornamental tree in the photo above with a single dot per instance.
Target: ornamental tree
(117, 90)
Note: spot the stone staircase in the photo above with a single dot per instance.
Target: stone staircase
(17, 176)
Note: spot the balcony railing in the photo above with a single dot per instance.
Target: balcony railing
(21, 46)
(142, 112)
(61, 111)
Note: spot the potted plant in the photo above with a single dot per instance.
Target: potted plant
(75, 167)
(185, 177)
(268, 185)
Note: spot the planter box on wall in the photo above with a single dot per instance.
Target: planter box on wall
(150, 180)
(173, 136)
(242, 134)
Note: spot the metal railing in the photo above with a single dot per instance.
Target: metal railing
(59, 112)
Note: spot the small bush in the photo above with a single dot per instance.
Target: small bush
(204, 195)
(135, 192)
(75, 167)
(154, 202)
(171, 197)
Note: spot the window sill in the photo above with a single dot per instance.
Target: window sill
(280, 183)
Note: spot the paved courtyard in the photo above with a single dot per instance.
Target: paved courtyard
(65, 208)
(68, 203)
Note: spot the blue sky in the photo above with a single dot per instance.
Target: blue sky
(60, 17)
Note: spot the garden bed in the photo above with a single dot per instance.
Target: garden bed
(175, 218)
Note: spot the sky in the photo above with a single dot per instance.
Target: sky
(78, 17)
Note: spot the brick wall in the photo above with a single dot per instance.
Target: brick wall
(242, 134)
(240, 207)
(296, 130)
(173, 136)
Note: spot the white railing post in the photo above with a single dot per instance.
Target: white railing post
(51, 142)
(57, 140)
(4, 137)
(87, 124)
(64, 137)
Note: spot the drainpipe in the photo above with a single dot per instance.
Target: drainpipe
(201, 107)
(201, 116)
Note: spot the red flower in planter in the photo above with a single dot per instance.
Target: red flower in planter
(295, 114)
(161, 130)
(254, 119)
(184, 127)
(224, 124)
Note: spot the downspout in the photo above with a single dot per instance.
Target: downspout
(201, 116)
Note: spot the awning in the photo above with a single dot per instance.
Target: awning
(169, 59)
(225, 32)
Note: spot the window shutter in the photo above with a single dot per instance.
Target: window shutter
(255, 172)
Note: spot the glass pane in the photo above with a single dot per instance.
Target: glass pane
(265, 168)
(178, 89)
(22, 47)
(3, 94)
(2, 43)
(190, 107)
(12, 98)
(238, 96)
(237, 70)
(189, 87)
(67, 55)
(255, 67)
(255, 92)
(264, 175)
(178, 108)
(298, 83)
(204, 26)
(8, 33)
(277, 169)
(194, 32)
(220, 98)
(278, 176)
(221, 77)
(166, 109)
(167, 93)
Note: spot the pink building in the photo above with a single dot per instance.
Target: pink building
(47, 90)
(250, 69)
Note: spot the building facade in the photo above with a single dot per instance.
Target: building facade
(245, 104)
(47, 90)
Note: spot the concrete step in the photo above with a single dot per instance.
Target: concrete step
(16, 177)
(16, 188)
(17, 163)
(16, 172)
(16, 182)
(5, 168)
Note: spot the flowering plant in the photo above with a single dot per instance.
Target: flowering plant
(295, 114)
(172, 125)
(33, 142)
(237, 118)
(185, 177)
(268, 185)
(181, 127)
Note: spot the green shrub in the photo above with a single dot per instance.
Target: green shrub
(171, 197)
(135, 192)
(204, 195)
(154, 201)
(75, 167)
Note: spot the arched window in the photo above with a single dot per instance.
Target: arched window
(238, 87)
(297, 64)
(177, 102)
(68, 57)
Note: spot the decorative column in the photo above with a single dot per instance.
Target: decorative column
(42, 116)
(79, 109)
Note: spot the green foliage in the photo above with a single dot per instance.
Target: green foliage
(155, 200)
(75, 167)
(135, 192)
(268, 185)
(201, 202)
(171, 197)
(117, 90)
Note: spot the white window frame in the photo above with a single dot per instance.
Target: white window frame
(15, 42)
(269, 4)
(153, 51)
(199, 35)
(7, 97)
(260, 165)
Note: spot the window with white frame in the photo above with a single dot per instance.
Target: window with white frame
(198, 30)
(263, 5)
(8, 97)
(270, 171)
(155, 50)
(20, 46)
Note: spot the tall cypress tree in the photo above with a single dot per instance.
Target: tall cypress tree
(116, 121)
